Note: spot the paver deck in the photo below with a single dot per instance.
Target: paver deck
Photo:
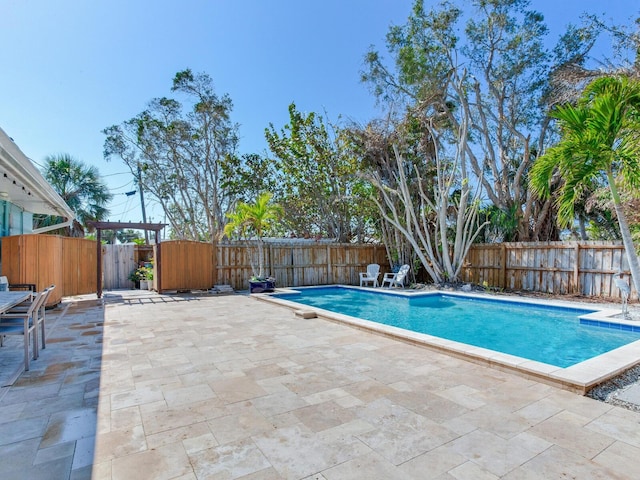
(164, 387)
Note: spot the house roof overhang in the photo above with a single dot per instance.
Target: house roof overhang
(22, 184)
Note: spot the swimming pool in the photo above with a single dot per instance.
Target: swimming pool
(549, 334)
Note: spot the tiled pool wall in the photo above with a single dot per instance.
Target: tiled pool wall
(579, 378)
(615, 326)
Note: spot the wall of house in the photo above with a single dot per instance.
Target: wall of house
(14, 220)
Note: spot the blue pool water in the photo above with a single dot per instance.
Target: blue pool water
(552, 335)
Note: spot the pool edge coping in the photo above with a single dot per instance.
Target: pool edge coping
(579, 378)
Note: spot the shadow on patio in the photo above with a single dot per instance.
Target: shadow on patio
(48, 418)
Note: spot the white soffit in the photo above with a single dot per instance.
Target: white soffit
(22, 184)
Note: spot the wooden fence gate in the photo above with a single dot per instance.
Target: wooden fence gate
(117, 263)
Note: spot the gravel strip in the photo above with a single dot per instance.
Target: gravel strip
(610, 390)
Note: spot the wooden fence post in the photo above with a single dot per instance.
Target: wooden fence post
(99, 262)
(576, 269)
(214, 262)
(503, 266)
(270, 269)
(329, 269)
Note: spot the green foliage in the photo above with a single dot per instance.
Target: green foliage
(92, 236)
(141, 273)
(136, 275)
(254, 220)
(503, 224)
(81, 187)
(245, 177)
(599, 142)
(146, 273)
(604, 227)
(129, 235)
(495, 72)
(318, 186)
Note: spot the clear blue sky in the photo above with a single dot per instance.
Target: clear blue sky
(73, 67)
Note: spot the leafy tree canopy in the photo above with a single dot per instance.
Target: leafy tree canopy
(493, 70)
(317, 182)
(600, 142)
(180, 153)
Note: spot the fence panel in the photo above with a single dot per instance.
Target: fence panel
(233, 265)
(118, 261)
(281, 261)
(298, 264)
(34, 259)
(585, 268)
(347, 261)
(79, 266)
(186, 265)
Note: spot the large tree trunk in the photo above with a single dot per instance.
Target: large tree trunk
(627, 240)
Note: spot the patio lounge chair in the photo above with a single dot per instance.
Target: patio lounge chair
(396, 279)
(371, 275)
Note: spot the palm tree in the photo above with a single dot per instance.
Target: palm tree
(253, 219)
(600, 141)
(81, 187)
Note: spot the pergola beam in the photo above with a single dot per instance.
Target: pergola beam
(99, 226)
(154, 227)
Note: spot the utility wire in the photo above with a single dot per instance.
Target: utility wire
(125, 202)
(126, 185)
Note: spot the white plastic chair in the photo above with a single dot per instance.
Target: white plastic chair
(396, 279)
(371, 275)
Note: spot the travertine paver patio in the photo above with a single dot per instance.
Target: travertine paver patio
(229, 387)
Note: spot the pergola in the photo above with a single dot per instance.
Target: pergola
(99, 226)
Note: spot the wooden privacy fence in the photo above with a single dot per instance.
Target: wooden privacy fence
(584, 268)
(118, 261)
(68, 263)
(297, 264)
(186, 265)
